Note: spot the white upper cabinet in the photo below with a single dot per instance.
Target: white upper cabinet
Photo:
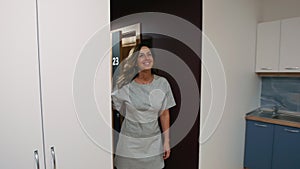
(278, 46)
(290, 45)
(268, 44)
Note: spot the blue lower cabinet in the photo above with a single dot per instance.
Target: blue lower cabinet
(258, 145)
(286, 150)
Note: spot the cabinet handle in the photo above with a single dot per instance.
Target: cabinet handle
(266, 68)
(260, 125)
(36, 158)
(291, 131)
(53, 158)
(292, 68)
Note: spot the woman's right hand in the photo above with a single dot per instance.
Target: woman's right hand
(167, 150)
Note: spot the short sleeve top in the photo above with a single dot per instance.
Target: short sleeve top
(143, 102)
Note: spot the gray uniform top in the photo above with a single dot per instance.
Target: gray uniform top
(141, 105)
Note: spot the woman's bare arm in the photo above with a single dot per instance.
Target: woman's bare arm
(165, 124)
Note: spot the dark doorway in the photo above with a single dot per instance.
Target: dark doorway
(186, 153)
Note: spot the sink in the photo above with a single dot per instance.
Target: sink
(265, 114)
(279, 116)
(286, 117)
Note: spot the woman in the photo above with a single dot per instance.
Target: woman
(142, 97)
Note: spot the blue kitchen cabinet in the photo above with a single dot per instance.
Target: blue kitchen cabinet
(286, 148)
(258, 145)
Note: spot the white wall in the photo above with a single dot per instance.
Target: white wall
(231, 26)
(280, 9)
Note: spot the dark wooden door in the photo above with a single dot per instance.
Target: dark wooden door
(186, 153)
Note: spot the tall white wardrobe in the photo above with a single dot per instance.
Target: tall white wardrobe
(55, 84)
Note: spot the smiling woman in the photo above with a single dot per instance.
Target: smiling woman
(142, 97)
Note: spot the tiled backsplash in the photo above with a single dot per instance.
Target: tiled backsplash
(282, 91)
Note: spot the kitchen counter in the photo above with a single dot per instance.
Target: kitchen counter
(282, 117)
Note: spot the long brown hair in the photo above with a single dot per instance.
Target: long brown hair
(128, 68)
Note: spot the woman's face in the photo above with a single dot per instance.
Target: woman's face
(145, 59)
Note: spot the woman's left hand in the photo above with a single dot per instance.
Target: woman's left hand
(167, 150)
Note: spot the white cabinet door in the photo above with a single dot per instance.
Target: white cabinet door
(268, 44)
(20, 120)
(75, 71)
(290, 45)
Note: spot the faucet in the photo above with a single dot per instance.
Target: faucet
(275, 110)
